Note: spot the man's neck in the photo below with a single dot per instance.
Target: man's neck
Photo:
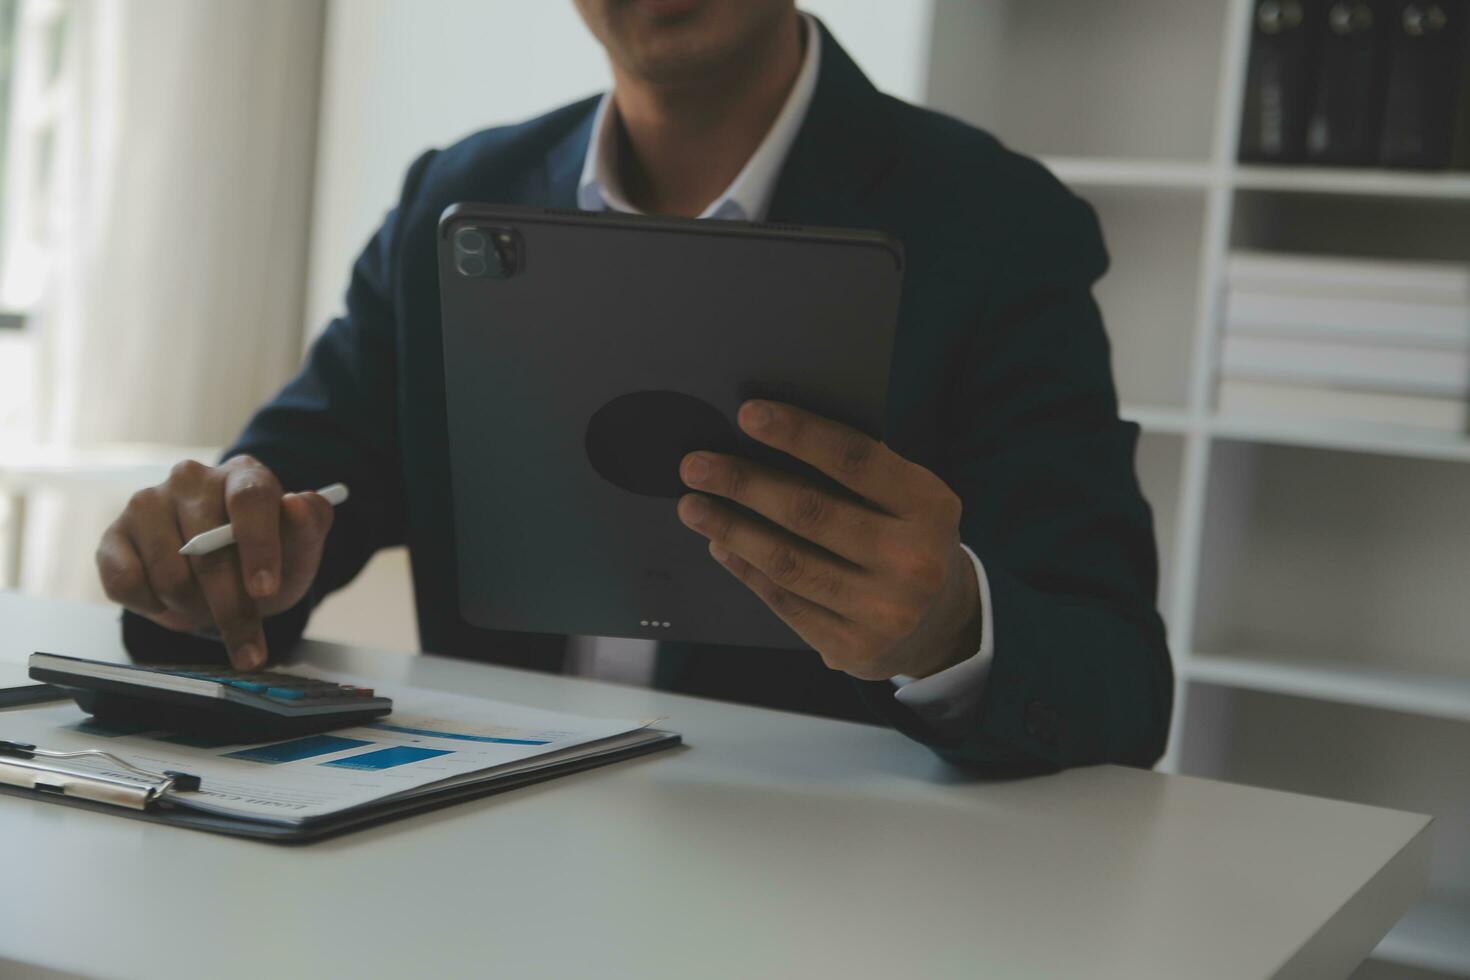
(682, 144)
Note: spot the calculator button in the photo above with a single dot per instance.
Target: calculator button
(286, 693)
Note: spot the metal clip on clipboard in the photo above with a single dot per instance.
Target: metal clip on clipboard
(24, 765)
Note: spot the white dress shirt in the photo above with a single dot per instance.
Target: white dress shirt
(944, 700)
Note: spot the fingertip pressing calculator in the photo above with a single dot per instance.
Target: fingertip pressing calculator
(209, 700)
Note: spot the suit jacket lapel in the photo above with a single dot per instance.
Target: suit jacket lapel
(564, 161)
(845, 147)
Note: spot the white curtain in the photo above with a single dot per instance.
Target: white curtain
(181, 188)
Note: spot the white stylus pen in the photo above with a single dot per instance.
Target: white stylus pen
(224, 535)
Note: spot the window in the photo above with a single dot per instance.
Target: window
(9, 15)
(33, 46)
(33, 36)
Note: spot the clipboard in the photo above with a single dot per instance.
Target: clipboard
(28, 771)
(43, 772)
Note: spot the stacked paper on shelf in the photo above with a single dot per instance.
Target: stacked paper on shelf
(1350, 339)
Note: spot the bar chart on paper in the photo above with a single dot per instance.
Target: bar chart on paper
(297, 749)
(398, 755)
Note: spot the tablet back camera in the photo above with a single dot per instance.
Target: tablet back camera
(487, 253)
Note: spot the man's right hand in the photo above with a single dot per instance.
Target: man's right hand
(279, 538)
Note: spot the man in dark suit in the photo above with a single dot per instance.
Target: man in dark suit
(992, 597)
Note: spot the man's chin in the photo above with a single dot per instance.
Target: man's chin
(676, 41)
(666, 8)
(672, 56)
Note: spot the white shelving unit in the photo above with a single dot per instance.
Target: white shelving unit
(1154, 175)
(1374, 183)
(1313, 574)
(1416, 693)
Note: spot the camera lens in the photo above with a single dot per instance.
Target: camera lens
(482, 252)
(469, 240)
(471, 265)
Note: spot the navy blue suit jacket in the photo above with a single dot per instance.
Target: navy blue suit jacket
(1000, 384)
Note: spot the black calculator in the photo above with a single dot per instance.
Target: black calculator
(208, 701)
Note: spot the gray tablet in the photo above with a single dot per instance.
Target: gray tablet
(586, 353)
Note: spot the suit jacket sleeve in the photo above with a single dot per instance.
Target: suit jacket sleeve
(1053, 508)
(335, 421)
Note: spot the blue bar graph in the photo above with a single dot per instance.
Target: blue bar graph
(398, 755)
(297, 749)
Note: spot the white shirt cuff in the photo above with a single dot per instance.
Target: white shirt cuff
(946, 700)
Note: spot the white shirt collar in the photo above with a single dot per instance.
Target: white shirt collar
(749, 194)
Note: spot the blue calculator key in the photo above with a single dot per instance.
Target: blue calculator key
(288, 693)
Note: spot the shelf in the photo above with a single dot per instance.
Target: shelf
(1387, 440)
(1166, 421)
(1435, 697)
(1087, 172)
(1384, 440)
(1434, 935)
(1370, 183)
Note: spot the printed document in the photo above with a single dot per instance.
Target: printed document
(430, 740)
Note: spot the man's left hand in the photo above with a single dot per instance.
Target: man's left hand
(879, 587)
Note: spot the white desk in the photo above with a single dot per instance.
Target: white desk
(773, 845)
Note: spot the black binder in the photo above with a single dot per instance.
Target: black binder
(1347, 92)
(1425, 83)
(1284, 40)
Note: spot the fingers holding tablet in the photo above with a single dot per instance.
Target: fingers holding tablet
(877, 589)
